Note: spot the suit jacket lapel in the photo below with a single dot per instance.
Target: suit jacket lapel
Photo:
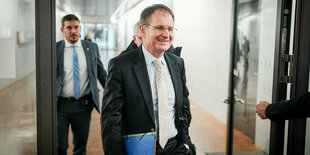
(176, 80)
(87, 56)
(60, 57)
(175, 75)
(143, 80)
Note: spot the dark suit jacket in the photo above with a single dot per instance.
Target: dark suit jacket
(176, 51)
(130, 47)
(298, 107)
(94, 67)
(128, 104)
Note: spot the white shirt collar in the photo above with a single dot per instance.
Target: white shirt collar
(149, 58)
(67, 44)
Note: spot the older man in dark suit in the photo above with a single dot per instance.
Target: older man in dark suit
(136, 41)
(78, 68)
(146, 90)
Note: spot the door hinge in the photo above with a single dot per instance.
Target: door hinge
(287, 58)
(287, 66)
(286, 79)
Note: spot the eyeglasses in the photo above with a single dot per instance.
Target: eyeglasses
(161, 28)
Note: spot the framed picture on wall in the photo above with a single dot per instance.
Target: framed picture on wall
(24, 37)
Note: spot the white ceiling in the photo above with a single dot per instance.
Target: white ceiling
(91, 9)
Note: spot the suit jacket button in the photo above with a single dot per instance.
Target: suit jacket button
(152, 129)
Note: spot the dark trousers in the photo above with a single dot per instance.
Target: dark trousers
(77, 114)
(173, 147)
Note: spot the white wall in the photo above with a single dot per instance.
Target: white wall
(18, 16)
(59, 15)
(204, 28)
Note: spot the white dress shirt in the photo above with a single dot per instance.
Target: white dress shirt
(151, 68)
(67, 90)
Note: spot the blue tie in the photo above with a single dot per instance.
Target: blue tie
(76, 76)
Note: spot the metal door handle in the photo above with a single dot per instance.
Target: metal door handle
(225, 101)
(238, 100)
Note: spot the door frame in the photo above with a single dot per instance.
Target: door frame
(301, 49)
(230, 99)
(277, 128)
(46, 78)
(279, 89)
(45, 40)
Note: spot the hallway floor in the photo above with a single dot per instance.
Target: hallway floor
(18, 125)
(208, 134)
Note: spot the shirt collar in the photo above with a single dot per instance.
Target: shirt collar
(67, 44)
(149, 58)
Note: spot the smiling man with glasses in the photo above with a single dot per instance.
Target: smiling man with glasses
(146, 90)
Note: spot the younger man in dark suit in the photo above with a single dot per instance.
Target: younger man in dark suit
(78, 68)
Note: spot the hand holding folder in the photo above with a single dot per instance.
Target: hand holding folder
(140, 144)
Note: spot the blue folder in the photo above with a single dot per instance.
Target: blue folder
(140, 144)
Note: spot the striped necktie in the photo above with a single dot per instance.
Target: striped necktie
(163, 111)
(76, 76)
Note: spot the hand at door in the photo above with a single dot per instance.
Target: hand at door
(261, 108)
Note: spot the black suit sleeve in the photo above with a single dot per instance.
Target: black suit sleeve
(186, 106)
(298, 107)
(102, 74)
(131, 46)
(111, 115)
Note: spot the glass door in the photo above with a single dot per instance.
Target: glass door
(18, 126)
(251, 75)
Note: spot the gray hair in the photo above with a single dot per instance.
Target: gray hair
(135, 28)
(147, 12)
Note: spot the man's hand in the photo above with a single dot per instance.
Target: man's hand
(261, 108)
